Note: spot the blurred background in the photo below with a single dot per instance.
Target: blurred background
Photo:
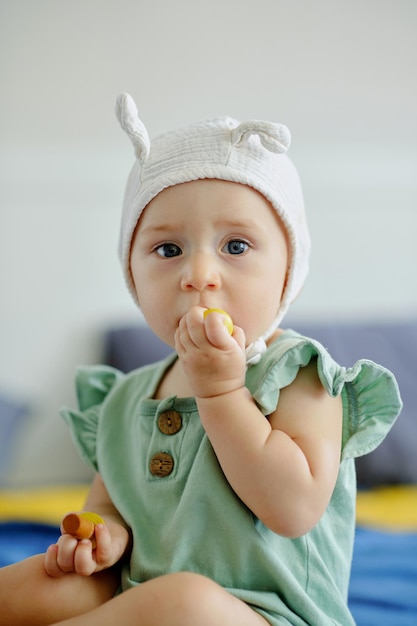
(341, 75)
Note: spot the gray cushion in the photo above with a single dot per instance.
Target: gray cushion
(393, 345)
(12, 414)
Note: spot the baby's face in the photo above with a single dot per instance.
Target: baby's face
(214, 244)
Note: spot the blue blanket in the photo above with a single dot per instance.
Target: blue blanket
(383, 590)
(18, 540)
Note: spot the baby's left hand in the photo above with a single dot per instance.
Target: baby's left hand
(213, 360)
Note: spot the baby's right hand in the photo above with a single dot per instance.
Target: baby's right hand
(69, 555)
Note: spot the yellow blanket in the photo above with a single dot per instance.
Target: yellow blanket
(45, 504)
(388, 508)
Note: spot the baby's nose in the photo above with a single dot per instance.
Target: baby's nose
(201, 273)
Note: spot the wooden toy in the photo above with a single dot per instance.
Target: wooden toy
(81, 525)
(227, 319)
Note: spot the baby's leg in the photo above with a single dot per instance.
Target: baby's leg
(182, 599)
(29, 597)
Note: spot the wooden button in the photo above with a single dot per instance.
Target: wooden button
(161, 464)
(169, 422)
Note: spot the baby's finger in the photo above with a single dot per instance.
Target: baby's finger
(51, 564)
(216, 331)
(181, 335)
(84, 563)
(194, 329)
(104, 547)
(239, 337)
(191, 331)
(66, 550)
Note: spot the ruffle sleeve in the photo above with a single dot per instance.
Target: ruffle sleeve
(93, 384)
(370, 394)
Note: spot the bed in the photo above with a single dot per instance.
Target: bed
(383, 588)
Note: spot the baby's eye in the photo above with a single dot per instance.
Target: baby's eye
(236, 246)
(168, 250)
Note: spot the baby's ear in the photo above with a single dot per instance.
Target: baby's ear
(127, 114)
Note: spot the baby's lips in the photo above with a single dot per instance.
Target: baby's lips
(227, 319)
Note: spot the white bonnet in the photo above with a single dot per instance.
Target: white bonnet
(252, 153)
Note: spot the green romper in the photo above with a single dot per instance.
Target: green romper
(164, 478)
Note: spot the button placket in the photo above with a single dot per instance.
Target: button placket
(162, 463)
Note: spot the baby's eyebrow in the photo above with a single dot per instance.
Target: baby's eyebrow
(237, 224)
(159, 228)
(168, 228)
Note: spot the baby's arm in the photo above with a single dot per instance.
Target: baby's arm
(284, 468)
(85, 557)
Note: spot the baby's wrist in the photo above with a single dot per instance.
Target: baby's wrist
(222, 395)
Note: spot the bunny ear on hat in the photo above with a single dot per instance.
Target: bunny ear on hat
(127, 114)
(274, 137)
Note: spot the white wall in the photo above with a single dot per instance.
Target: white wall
(340, 74)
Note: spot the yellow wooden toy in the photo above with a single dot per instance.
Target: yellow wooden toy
(227, 319)
(81, 525)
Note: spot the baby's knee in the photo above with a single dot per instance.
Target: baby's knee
(192, 595)
(193, 588)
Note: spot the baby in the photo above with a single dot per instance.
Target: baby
(225, 473)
